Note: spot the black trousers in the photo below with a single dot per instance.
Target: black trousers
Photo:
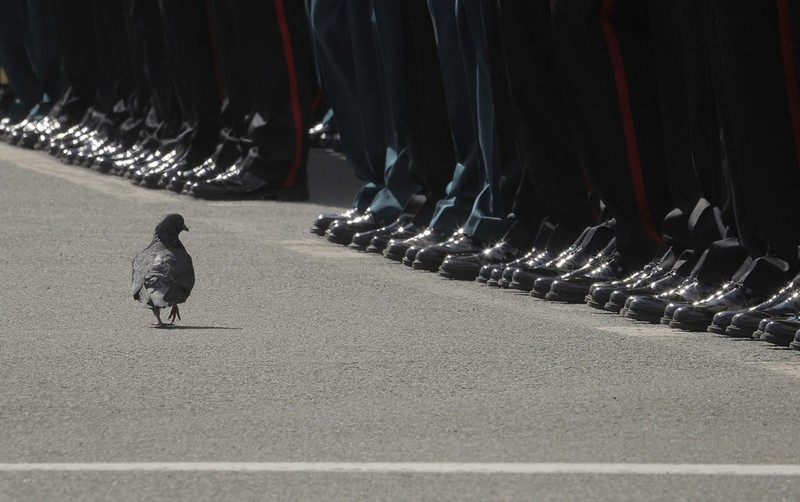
(29, 51)
(191, 56)
(552, 182)
(605, 54)
(428, 136)
(76, 36)
(278, 76)
(756, 82)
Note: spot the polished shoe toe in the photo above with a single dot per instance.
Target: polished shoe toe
(432, 257)
(781, 332)
(468, 267)
(405, 250)
(343, 231)
(324, 220)
(380, 241)
(362, 240)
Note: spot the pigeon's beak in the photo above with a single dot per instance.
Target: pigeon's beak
(186, 228)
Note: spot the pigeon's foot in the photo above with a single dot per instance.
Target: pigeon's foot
(158, 323)
(174, 313)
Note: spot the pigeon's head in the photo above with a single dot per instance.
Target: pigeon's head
(170, 227)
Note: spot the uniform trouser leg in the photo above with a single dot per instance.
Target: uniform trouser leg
(553, 182)
(164, 114)
(14, 56)
(43, 47)
(488, 221)
(467, 183)
(76, 35)
(235, 91)
(399, 185)
(346, 58)
(759, 74)
(138, 101)
(191, 54)
(113, 66)
(428, 135)
(693, 223)
(604, 50)
(276, 42)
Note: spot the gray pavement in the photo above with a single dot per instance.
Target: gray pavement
(293, 349)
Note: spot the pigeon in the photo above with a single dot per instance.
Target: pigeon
(163, 274)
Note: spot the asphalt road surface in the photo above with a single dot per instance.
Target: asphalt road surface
(304, 370)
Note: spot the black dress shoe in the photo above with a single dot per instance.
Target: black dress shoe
(242, 184)
(619, 297)
(763, 325)
(380, 241)
(505, 276)
(796, 343)
(543, 285)
(573, 287)
(396, 249)
(600, 292)
(524, 275)
(491, 274)
(160, 179)
(742, 324)
(38, 136)
(652, 308)
(575, 257)
(343, 231)
(698, 316)
(362, 240)
(324, 220)
(781, 331)
(468, 268)
(431, 257)
(150, 178)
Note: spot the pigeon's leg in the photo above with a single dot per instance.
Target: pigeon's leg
(173, 314)
(158, 323)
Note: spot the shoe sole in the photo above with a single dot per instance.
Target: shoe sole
(738, 332)
(643, 316)
(719, 330)
(421, 265)
(688, 326)
(344, 240)
(517, 285)
(458, 276)
(783, 341)
(593, 303)
(566, 298)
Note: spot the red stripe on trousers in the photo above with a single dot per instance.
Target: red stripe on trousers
(790, 72)
(626, 115)
(283, 26)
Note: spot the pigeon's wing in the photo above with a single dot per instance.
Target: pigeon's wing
(140, 267)
(182, 276)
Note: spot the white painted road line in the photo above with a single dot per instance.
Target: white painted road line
(416, 467)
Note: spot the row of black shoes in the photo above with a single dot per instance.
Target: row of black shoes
(675, 289)
(230, 173)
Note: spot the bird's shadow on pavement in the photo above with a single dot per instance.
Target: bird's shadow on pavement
(182, 327)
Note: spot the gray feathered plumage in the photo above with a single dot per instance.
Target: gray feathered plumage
(163, 273)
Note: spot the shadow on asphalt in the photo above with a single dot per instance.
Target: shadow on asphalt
(182, 327)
